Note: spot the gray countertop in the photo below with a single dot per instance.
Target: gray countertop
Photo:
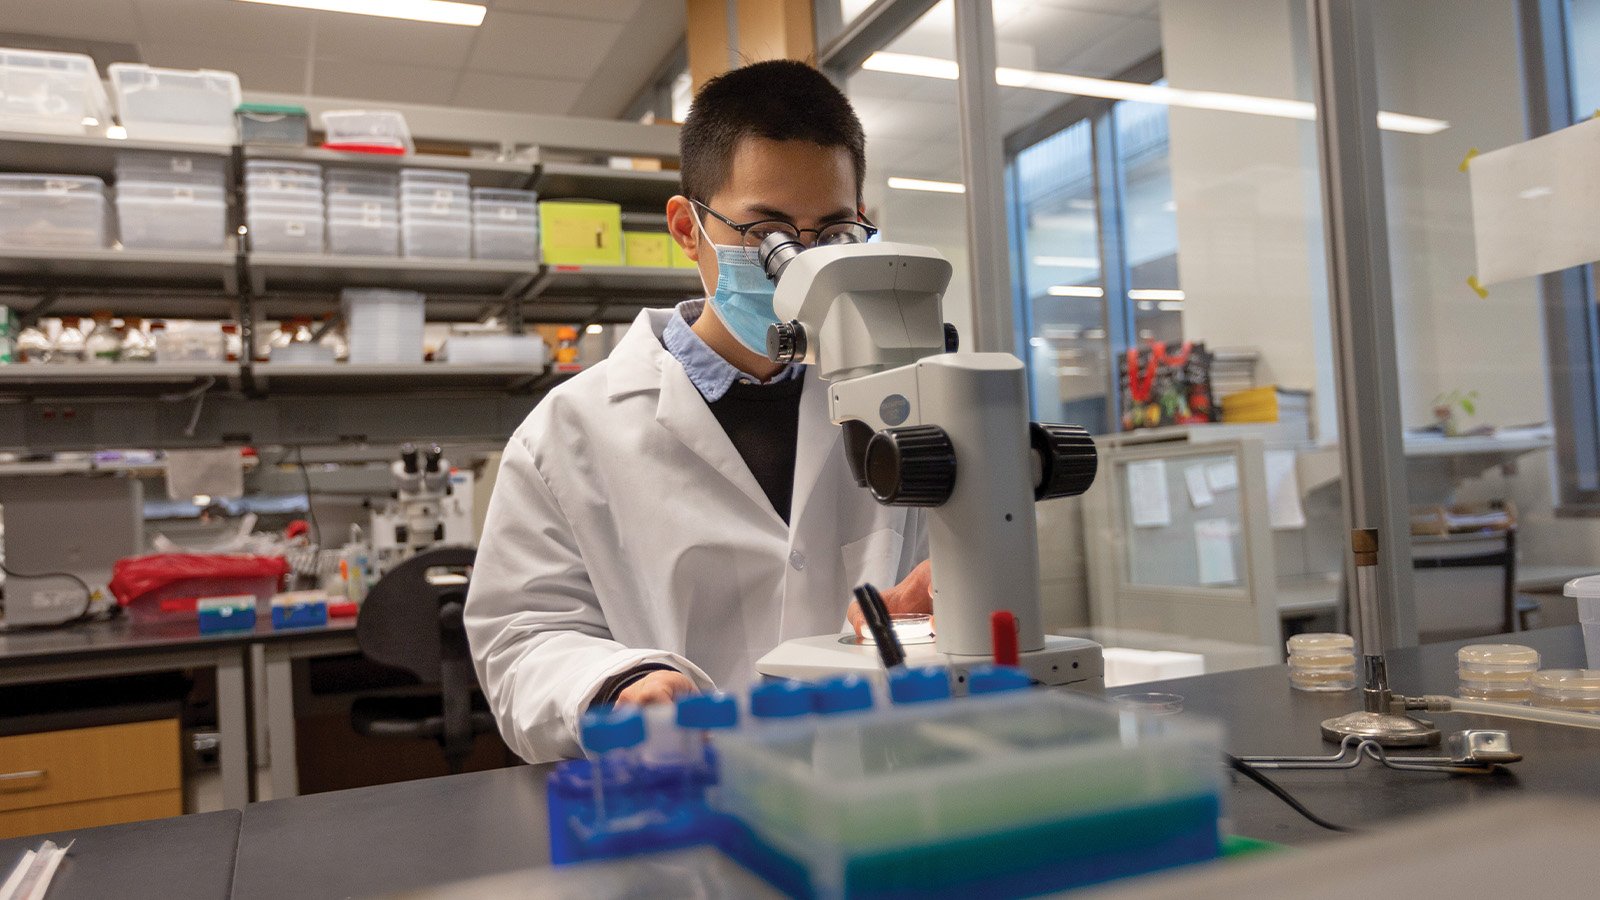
(189, 857)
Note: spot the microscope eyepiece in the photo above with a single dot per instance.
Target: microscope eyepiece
(777, 250)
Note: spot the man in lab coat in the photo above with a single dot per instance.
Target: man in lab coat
(668, 516)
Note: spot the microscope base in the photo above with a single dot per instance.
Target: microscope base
(1063, 661)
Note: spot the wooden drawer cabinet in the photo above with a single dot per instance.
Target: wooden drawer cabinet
(83, 777)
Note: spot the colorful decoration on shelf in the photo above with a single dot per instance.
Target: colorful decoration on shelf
(1160, 388)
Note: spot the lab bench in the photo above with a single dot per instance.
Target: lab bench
(443, 833)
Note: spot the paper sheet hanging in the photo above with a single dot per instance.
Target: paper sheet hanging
(210, 473)
(1213, 543)
(1536, 205)
(1147, 494)
(1199, 491)
(1223, 476)
(1283, 491)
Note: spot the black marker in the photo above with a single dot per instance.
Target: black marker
(876, 614)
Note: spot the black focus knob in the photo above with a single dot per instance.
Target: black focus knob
(1067, 457)
(786, 342)
(914, 465)
(952, 338)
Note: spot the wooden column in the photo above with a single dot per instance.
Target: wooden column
(724, 34)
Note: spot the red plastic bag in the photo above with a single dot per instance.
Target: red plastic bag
(138, 576)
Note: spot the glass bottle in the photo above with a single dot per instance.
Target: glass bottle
(334, 337)
(69, 342)
(137, 345)
(233, 344)
(567, 344)
(33, 345)
(157, 329)
(103, 344)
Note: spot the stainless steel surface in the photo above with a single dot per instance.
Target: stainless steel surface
(1388, 729)
(983, 173)
(1373, 461)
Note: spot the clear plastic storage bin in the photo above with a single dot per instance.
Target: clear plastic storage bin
(366, 131)
(264, 123)
(416, 177)
(440, 239)
(491, 241)
(175, 104)
(281, 228)
(505, 207)
(156, 216)
(184, 168)
(495, 349)
(282, 168)
(363, 236)
(60, 211)
(51, 93)
(277, 181)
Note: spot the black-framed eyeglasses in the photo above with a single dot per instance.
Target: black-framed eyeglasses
(751, 234)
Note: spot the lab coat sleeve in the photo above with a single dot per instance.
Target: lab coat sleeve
(539, 638)
(914, 550)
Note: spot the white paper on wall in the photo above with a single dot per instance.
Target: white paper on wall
(1213, 543)
(1222, 476)
(1283, 491)
(1536, 205)
(1147, 494)
(1199, 492)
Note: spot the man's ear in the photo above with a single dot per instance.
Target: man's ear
(681, 225)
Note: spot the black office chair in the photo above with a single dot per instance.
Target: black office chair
(412, 624)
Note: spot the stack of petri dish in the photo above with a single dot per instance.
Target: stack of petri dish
(1497, 672)
(435, 214)
(385, 327)
(1322, 662)
(363, 211)
(1577, 690)
(283, 206)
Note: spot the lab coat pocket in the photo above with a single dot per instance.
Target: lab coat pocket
(875, 559)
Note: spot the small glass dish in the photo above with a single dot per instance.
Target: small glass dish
(910, 628)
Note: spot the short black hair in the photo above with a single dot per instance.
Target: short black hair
(780, 100)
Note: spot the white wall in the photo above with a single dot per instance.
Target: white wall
(1250, 249)
(1459, 60)
(938, 221)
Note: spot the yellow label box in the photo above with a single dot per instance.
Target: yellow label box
(646, 248)
(580, 233)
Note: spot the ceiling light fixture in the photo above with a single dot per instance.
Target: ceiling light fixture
(1076, 290)
(442, 12)
(1067, 262)
(1108, 89)
(595, 328)
(922, 184)
(1155, 294)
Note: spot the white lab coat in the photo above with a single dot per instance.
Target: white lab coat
(625, 528)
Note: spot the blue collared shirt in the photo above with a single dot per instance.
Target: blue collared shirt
(707, 370)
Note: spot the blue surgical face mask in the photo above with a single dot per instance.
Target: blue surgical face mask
(743, 296)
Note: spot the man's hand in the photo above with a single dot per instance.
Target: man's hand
(914, 595)
(657, 687)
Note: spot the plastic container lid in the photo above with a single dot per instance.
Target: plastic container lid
(505, 195)
(271, 109)
(431, 176)
(612, 729)
(919, 685)
(1585, 588)
(1321, 644)
(780, 700)
(1568, 684)
(1497, 657)
(708, 711)
(997, 679)
(846, 693)
(50, 184)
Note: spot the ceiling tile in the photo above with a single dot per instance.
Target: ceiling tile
(509, 93)
(377, 39)
(98, 20)
(382, 81)
(224, 23)
(271, 72)
(542, 46)
(609, 10)
(639, 51)
(1111, 52)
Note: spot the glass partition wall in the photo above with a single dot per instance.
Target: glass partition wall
(1165, 185)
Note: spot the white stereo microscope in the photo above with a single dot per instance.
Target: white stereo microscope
(927, 425)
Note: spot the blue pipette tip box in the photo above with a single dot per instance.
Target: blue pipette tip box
(224, 615)
(301, 614)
